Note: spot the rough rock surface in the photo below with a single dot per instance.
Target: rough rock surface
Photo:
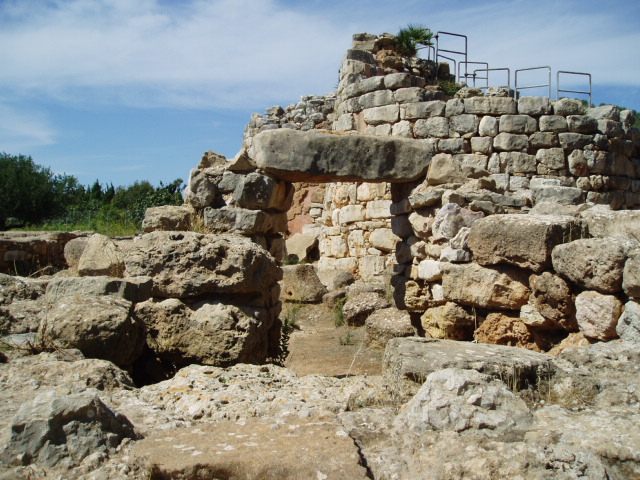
(553, 300)
(168, 217)
(133, 289)
(525, 241)
(387, 323)
(597, 315)
(101, 256)
(204, 333)
(188, 264)
(298, 156)
(358, 307)
(300, 283)
(100, 327)
(500, 329)
(449, 321)
(628, 327)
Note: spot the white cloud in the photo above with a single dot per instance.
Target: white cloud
(20, 130)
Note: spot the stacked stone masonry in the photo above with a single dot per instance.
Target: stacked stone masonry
(488, 159)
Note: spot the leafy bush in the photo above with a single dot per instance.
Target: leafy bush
(413, 37)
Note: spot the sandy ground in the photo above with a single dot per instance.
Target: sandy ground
(317, 346)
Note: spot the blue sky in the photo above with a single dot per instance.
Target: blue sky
(125, 90)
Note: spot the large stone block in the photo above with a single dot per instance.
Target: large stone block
(631, 275)
(517, 162)
(432, 127)
(592, 263)
(606, 223)
(383, 114)
(384, 239)
(418, 110)
(449, 321)
(243, 221)
(525, 241)
(299, 156)
(558, 194)
(101, 256)
(510, 142)
(188, 264)
(534, 105)
(628, 327)
(476, 286)
(553, 123)
(552, 299)
(260, 192)
(598, 314)
(490, 105)
(300, 283)
(135, 290)
(517, 124)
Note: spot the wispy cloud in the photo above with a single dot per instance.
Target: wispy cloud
(21, 130)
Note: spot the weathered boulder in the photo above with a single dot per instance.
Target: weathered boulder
(552, 299)
(501, 329)
(445, 168)
(177, 453)
(525, 241)
(14, 288)
(243, 221)
(201, 190)
(607, 223)
(628, 327)
(451, 218)
(358, 307)
(133, 289)
(476, 286)
(189, 264)
(100, 327)
(168, 217)
(408, 361)
(597, 315)
(300, 245)
(58, 430)
(101, 256)
(461, 400)
(300, 283)
(298, 156)
(448, 321)
(261, 192)
(592, 263)
(73, 250)
(205, 333)
(385, 324)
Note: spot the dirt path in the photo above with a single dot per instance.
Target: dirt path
(317, 346)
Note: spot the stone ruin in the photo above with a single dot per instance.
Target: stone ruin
(495, 220)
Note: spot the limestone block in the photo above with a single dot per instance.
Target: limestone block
(490, 105)
(238, 220)
(610, 128)
(476, 286)
(451, 218)
(421, 222)
(473, 162)
(402, 129)
(385, 324)
(568, 106)
(300, 283)
(328, 268)
(517, 124)
(510, 142)
(525, 241)
(366, 192)
(582, 124)
(384, 239)
(363, 86)
(345, 122)
(424, 196)
(488, 126)
(378, 98)
(429, 270)
(133, 289)
(418, 110)
(449, 321)
(592, 263)
(300, 245)
(335, 246)
(517, 162)
(573, 141)
(552, 299)
(628, 327)
(73, 251)
(358, 307)
(189, 264)
(455, 255)
(379, 130)
(298, 156)
(578, 165)
(452, 145)
(409, 95)
(551, 157)
(501, 329)
(98, 326)
(201, 190)
(432, 127)
(356, 243)
(534, 105)
(466, 125)
(260, 192)
(631, 275)
(627, 117)
(544, 139)
(167, 217)
(605, 112)
(454, 106)
(344, 194)
(518, 183)
(553, 123)
(352, 213)
(378, 209)
(560, 195)
(597, 314)
(482, 145)
(101, 256)
(371, 266)
(394, 81)
(379, 115)
(401, 226)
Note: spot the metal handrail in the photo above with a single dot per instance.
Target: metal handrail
(517, 88)
(438, 49)
(467, 75)
(447, 58)
(558, 89)
(494, 70)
